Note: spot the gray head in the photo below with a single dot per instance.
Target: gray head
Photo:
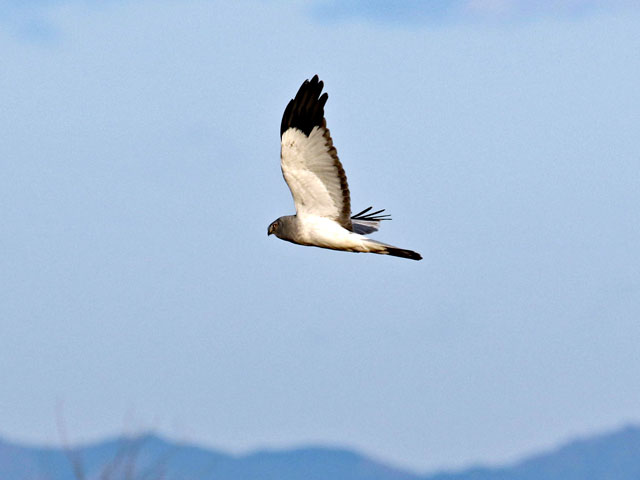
(284, 227)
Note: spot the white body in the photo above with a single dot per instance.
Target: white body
(326, 233)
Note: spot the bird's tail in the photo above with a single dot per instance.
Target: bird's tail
(401, 252)
(384, 249)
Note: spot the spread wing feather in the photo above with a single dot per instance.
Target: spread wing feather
(309, 161)
(365, 223)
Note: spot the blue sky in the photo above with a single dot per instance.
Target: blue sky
(139, 172)
(446, 12)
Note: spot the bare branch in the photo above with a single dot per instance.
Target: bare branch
(73, 455)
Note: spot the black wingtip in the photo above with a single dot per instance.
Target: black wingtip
(306, 110)
(363, 215)
(399, 252)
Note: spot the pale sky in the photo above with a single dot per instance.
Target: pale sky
(139, 171)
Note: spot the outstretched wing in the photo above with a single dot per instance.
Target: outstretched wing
(309, 161)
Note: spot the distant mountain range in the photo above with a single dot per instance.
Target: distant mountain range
(613, 456)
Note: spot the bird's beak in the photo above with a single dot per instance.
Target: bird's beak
(270, 230)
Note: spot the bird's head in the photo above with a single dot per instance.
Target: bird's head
(273, 228)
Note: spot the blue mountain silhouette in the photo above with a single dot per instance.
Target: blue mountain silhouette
(612, 456)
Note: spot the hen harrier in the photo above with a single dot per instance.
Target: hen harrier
(318, 184)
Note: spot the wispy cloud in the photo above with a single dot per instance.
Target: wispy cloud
(28, 20)
(31, 19)
(502, 9)
(445, 11)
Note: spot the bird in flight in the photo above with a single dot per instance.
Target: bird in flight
(318, 184)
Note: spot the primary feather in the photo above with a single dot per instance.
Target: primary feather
(364, 223)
